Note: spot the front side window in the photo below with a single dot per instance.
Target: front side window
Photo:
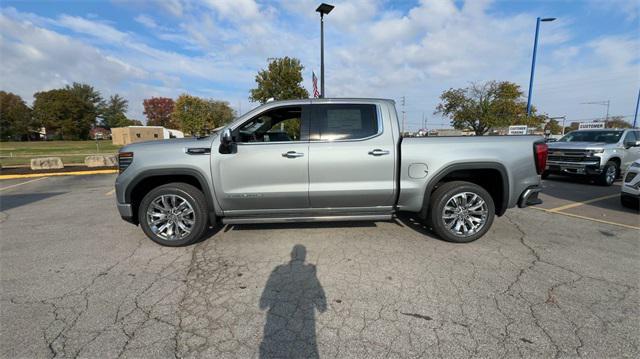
(277, 125)
(630, 137)
(344, 122)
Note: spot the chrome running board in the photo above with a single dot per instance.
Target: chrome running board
(359, 217)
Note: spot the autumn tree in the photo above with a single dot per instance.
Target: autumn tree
(158, 111)
(481, 107)
(114, 112)
(15, 117)
(64, 114)
(553, 126)
(617, 122)
(282, 80)
(196, 116)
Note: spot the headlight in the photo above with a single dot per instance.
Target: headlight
(597, 151)
(635, 165)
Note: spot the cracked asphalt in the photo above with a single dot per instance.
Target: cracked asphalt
(76, 281)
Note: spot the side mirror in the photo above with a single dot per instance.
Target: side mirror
(629, 144)
(226, 137)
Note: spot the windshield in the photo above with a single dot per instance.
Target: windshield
(592, 136)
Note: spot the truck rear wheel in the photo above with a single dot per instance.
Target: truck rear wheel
(609, 174)
(461, 212)
(174, 214)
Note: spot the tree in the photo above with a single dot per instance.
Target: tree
(553, 127)
(63, 114)
(113, 112)
(480, 107)
(15, 117)
(281, 81)
(158, 111)
(196, 115)
(617, 122)
(89, 95)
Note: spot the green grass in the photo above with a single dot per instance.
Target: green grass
(21, 153)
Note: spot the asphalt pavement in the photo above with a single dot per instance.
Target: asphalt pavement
(77, 281)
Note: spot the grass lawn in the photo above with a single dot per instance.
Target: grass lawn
(21, 153)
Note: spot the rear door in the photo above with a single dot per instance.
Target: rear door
(351, 158)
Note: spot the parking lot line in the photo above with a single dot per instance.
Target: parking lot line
(21, 183)
(74, 173)
(581, 203)
(110, 192)
(586, 218)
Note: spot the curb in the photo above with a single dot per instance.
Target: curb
(76, 173)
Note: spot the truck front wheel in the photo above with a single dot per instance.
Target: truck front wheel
(173, 214)
(609, 174)
(461, 211)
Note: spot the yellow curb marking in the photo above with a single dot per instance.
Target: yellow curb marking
(110, 192)
(586, 218)
(21, 183)
(578, 204)
(76, 173)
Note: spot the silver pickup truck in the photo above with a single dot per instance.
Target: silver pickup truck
(598, 153)
(324, 160)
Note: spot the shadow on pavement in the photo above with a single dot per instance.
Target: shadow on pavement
(291, 297)
(578, 189)
(16, 200)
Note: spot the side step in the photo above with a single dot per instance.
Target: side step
(358, 217)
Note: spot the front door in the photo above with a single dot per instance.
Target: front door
(269, 166)
(351, 158)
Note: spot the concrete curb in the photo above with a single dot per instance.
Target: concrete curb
(77, 173)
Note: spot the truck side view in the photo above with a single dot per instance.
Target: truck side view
(324, 160)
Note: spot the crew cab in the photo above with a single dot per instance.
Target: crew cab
(597, 153)
(324, 160)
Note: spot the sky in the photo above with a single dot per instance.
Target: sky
(373, 48)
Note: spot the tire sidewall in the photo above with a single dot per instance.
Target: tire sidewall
(440, 200)
(603, 176)
(190, 194)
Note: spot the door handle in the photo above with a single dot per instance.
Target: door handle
(292, 154)
(378, 152)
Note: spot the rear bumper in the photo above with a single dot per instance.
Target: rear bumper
(530, 197)
(126, 212)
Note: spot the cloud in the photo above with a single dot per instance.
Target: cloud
(146, 21)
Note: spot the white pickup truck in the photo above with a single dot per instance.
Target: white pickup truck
(324, 160)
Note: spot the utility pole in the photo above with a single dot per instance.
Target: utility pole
(603, 103)
(403, 114)
(635, 117)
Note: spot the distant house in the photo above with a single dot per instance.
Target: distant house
(132, 134)
(100, 133)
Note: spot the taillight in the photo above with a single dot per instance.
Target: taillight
(124, 160)
(540, 152)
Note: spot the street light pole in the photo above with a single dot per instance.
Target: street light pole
(322, 9)
(533, 61)
(635, 117)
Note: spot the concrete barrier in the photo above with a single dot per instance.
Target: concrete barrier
(46, 163)
(100, 161)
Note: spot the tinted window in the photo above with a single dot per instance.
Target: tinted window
(592, 136)
(630, 137)
(277, 125)
(344, 122)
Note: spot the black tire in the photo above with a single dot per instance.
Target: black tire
(195, 199)
(545, 175)
(604, 179)
(630, 202)
(442, 195)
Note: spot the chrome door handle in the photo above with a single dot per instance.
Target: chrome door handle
(378, 152)
(292, 154)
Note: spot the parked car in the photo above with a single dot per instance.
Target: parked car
(346, 161)
(630, 192)
(597, 153)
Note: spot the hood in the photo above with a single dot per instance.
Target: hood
(174, 142)
(578, 145)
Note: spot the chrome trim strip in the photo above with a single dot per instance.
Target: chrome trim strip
(572, 164)
(309, 211)
(257, 220)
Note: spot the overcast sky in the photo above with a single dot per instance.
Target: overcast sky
(388, 49)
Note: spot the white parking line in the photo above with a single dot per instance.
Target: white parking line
(22, 183)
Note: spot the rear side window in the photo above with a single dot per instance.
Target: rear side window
(344, 122)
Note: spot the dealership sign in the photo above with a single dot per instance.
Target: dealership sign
(590, 125)
(518, 130)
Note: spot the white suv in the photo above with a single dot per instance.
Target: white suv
(630, 195)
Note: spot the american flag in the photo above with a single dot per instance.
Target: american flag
(316, 94)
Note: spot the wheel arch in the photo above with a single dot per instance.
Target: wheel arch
(474, 172)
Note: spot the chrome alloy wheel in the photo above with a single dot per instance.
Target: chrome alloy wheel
(170, 217)
(465, 214)
(610, 175)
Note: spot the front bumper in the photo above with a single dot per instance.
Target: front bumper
(530, 197)
(577, 168)
(126, 212)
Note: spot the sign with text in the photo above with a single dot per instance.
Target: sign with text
(590, 125)
(518, 130)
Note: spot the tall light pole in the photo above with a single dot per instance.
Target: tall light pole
(635, 116)
(533, 61)
(323, 9)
